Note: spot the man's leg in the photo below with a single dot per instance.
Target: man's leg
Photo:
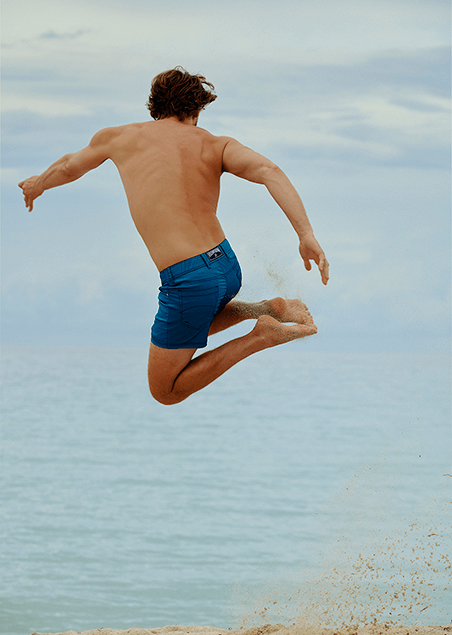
(174, 375)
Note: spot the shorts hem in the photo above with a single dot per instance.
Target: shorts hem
(175, 347)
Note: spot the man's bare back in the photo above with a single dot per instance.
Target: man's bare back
(171, 172)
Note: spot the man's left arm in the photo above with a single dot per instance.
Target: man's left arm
(248, 164)
(70, 167)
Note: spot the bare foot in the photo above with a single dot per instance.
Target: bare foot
(274, 332)
(281, 310)
(288, 311)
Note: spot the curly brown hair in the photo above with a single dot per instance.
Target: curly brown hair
(177, 93)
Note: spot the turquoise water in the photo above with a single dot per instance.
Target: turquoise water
(295, 479)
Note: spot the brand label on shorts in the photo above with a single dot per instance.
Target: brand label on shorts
(213, 254)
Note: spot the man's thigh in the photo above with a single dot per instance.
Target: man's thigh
(164, 366)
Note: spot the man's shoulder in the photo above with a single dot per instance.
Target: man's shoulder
(105, 135)
(213, 136)
(109, 133)
(220, 140)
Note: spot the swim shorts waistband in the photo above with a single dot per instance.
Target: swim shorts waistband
(224, 249)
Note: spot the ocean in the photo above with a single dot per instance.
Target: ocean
(298, 485)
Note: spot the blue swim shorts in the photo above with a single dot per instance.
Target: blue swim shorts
(192, 293)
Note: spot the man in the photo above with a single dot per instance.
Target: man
(171, 173)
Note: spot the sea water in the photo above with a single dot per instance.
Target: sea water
(298, 485)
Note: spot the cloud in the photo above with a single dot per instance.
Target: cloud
(47, 106)
(233, 40)
(356, 112)
(53, 35)
(241, 27)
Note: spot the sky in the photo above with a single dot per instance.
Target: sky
(351, 99)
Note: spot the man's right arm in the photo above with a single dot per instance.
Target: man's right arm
(70, 167)
(252, 166)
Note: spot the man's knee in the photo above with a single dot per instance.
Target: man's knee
(165, 400)
(165, 397)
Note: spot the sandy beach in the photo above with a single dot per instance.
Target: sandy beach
(272, 629)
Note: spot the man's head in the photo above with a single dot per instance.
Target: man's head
(177, 93)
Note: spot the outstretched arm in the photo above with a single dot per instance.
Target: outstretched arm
(249, 165)
(69, 168)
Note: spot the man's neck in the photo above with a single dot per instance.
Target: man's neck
(188, 121)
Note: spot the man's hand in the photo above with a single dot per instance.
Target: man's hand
(31, 190)
(311, 250)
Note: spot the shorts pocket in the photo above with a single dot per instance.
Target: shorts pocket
(197, 309)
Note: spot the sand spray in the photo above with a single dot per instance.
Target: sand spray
(378, 569)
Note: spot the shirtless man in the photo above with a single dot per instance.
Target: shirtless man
(171, 173)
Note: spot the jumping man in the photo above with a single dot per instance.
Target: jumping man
(171, 172)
